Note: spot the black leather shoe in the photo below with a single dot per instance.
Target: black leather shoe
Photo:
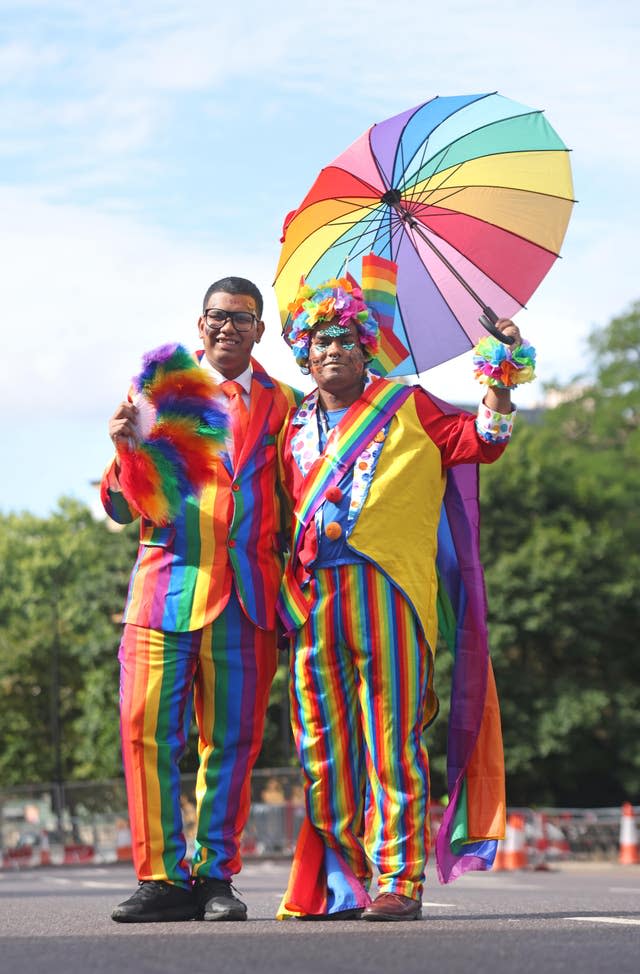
(217, 900)
(156, 901)
(393, 906)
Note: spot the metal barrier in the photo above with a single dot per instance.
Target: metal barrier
(88, 821)
(84, 822)
(590, 833)
(54, 824)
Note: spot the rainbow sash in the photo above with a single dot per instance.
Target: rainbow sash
(366, 417)
(379, 402)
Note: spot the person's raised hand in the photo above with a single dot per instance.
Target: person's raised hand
(123, 423)
(509, 327)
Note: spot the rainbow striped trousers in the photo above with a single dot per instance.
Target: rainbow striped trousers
(359, 668)
(226, 669)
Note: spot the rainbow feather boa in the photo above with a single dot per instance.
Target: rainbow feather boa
(181, 430)
(503, 366)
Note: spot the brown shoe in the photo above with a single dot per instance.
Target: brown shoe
(393, 906)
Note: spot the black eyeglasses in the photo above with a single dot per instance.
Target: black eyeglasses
(241, 320)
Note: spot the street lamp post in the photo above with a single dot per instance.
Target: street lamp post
(56, 738)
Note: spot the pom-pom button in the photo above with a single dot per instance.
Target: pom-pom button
(232, 542)
(333, 494)
(333, 530)
(235, 486)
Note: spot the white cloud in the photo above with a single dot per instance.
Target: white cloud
(102, 106)
(354, 54)
(21, 61)
(84, 296)
(89, 293)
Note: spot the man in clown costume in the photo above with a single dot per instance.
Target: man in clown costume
(377, 545)
(200, 620)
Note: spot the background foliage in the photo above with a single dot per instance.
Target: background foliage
(62, 588)
(561, 549)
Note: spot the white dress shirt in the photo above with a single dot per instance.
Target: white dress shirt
(244, 379)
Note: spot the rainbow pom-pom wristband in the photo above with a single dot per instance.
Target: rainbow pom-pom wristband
(503, 366)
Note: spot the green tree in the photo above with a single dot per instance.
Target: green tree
(62, 588)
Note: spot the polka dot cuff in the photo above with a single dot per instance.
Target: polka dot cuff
(494, 427)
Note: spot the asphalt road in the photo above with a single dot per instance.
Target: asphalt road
(579, 918)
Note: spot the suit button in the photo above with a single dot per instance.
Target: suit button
(235, 486)
(232, 543)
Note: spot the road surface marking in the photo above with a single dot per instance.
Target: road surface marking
(94, 884)
(621, 920)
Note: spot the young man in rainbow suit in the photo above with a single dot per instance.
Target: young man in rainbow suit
(200, 619)
(366, 462)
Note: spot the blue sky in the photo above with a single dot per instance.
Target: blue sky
(149, 148)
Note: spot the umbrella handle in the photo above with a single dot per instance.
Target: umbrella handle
(488, 320)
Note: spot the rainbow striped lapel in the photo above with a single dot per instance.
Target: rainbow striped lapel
(378, 403)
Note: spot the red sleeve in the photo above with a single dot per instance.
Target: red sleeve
(454, 433)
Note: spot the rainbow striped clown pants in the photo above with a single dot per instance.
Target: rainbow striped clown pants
(228, 667)
(359, 681)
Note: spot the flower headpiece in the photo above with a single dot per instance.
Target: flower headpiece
(339, 298)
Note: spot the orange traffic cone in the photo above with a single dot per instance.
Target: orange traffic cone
(515, 853)
(499, 861)
(628, 854)
(45, 849)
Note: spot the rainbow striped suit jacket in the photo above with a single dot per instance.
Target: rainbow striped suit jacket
(184, 572)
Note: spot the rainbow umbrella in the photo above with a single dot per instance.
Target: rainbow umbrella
(469, 195)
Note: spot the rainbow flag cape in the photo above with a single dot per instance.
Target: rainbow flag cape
(321, 882)
(379, 285)
(475, 817)
(379, 278)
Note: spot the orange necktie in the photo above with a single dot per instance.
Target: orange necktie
(238, 413)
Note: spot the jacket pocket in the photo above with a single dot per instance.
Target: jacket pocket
(156, 537)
